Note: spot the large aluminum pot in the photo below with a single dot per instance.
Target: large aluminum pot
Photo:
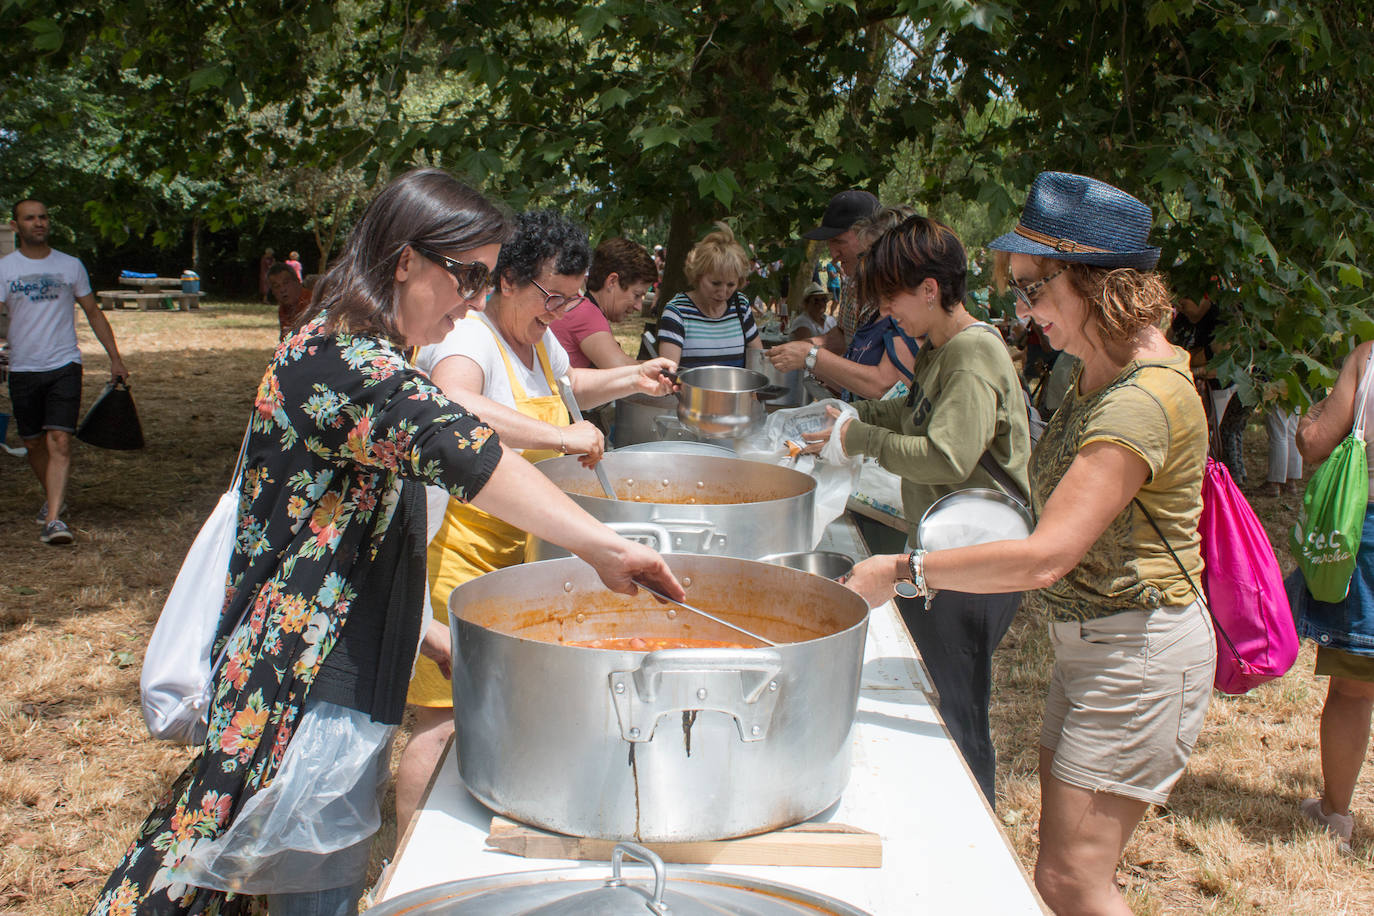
(721, 401)
(672, 447)
(690, 503)
(790, 383)
(584, 892)
(678, 744)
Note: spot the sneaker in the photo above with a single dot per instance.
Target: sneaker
(1340, 826)
(16, 451)
(56, 533)
(42, 518)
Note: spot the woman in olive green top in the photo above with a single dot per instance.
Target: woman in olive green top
(964, 401)
(1134, 652)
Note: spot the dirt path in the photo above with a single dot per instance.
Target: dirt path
(78, 771)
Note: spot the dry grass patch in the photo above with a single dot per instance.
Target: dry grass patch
(78, 771)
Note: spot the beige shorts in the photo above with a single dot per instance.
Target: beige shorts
(1127, 699)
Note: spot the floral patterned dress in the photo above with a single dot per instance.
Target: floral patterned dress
(339, 420)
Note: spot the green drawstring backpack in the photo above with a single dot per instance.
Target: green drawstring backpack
(1326, 537)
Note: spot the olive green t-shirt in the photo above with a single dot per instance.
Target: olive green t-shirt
(965, 400)
(1152, 409)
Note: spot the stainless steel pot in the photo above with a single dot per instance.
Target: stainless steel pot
(674, 745)
(691, 503)
(641, 418)
(721, 401)
(825, 563)
(554, 892)
(790, 383)
(976, 515)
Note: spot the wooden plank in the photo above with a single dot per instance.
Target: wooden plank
(812, 844)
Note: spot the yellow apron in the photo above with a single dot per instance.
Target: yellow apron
(469, 541)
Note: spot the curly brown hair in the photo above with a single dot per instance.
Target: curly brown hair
(1121, 301)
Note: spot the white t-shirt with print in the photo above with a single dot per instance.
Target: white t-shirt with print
(473, 337)
(41, 294)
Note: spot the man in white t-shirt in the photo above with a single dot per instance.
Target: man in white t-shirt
(41, 288)
(813, 321)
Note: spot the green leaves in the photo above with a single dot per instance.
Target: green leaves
(720, 185)
(47, 35)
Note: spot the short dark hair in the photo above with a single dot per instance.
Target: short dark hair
(281, 267)
(541, 236)
(905, 256)
(629, 260)
(14, 207)
(426, 207)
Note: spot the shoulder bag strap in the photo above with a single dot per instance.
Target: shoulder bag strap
(1203, 598)
(233, 488)
(891, 348)
(1003, 479)
(1362, 396)
(243, 456)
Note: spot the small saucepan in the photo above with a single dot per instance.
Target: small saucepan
(719, 401)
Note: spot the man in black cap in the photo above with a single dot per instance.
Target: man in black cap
(836, 230)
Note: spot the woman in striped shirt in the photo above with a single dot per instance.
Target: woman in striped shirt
(710, 324)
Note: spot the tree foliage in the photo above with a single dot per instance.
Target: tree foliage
(1244, 124)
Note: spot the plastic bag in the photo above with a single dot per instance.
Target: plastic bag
(174, 685)
(112, 421)
(836, 474)
(312, 828)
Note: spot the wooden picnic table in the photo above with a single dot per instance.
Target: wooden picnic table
(148, 293)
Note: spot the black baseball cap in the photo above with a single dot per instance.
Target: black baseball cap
(845, 209)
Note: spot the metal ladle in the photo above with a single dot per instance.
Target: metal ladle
(712, 617)
(570, 402)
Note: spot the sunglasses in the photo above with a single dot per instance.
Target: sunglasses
(1025, 295)
(554, 302)
(473, 277)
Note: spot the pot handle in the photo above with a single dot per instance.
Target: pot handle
(742, 683)
(769, 392)
(707, 539)
(649, 858)
(649, 534)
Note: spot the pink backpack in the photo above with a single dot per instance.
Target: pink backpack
(1256, 638)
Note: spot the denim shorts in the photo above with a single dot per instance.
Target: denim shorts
(46, 400)
(1127, 699)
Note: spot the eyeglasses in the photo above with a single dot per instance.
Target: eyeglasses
(1025, 295)
(473, 277)
(555, 302)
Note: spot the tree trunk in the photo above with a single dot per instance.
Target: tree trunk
(195, 244)
(686, 216)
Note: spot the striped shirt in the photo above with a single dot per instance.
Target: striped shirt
(707, 341)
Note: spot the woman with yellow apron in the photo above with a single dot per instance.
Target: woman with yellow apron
(495, 365)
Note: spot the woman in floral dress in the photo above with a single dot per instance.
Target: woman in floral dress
(324, 598)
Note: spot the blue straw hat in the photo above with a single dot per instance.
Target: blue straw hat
(1076, 218)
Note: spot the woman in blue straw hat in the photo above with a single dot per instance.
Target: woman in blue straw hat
(1134, 650)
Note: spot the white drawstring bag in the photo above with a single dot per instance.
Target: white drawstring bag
(178, 673)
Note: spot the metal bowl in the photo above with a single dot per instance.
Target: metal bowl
(973, 516)
(824, 563)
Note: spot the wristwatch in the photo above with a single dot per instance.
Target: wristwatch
(916, 587)
(811, 355)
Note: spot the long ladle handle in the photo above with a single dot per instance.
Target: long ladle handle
(687, 607)
(570, 401)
